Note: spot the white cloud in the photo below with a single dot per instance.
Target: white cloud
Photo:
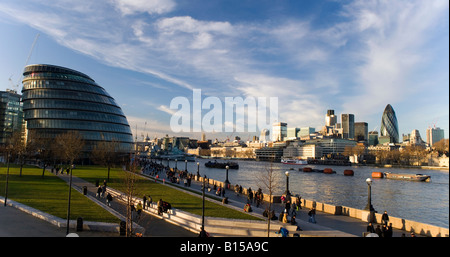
(190, 25)
(393, 36)
(358, 64)
(128, 7)
(166, 109)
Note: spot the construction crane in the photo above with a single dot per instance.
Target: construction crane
(375, 128)
(16, 86)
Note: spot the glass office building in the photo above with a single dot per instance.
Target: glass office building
(11, 114)
(389, 126)
(57, 100)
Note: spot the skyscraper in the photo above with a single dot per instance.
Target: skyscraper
(389, 125)
(434, 135)
(361, 131)
(11, 114)
(279, 131)
(348, 126)
(330, 119)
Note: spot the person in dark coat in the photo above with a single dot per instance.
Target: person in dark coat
(378, 231)
(389, 232)
(385, 218)
(370, 228)
(108, 199)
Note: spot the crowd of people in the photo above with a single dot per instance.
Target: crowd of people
(288, 214)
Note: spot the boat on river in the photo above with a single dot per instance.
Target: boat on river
(222, 165)
(294, 161)
(410, 177)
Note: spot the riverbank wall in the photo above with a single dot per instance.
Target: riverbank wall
(398, 223)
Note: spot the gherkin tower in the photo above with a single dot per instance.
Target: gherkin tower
(389, 125)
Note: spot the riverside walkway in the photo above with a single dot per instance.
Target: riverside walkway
(327, 225)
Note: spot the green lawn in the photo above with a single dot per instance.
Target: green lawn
(176, 198)
(50, 195)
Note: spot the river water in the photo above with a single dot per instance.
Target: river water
(426, 202)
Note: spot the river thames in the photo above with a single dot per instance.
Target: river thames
(426, 202)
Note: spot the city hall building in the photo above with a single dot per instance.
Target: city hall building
(57, 100)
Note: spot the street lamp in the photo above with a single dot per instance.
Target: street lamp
(176, 165)
(369, 206)
(287, 183)
(185, 165)
(227, 182)
(198, 171)
(203, 203)
(8, 148)
(68, 203)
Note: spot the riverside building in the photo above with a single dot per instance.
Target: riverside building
(57, 100)
(11, 114)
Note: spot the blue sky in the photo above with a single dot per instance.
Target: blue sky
(350, 56)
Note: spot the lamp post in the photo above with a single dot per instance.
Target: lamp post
(369, 206)
(8, 148)
(68, 202)
(176, 165)
(227, 182)
(198, 171)
(203, 203)
(287, 183)
(185, 165)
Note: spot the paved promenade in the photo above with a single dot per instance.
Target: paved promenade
(15, 223)
(334, 224)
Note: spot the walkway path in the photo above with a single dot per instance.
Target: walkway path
(15, 223)
(325, 222)
(153, 225)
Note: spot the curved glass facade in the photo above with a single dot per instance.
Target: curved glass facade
(58, 99)
(389, 125)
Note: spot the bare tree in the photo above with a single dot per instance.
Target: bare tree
(106, 154)
(70, 147)
(267, 181)
(130, 179)
(46, 151)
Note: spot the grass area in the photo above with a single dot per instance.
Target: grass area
(50, 194)
(176, 198)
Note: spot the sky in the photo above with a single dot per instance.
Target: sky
(350, 56)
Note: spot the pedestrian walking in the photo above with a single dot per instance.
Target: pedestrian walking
(144, 200)
(139, 209)
(287, 205)
(99, 191)
(249, 195)
(285, 218)
(385, 218)
(159, 206)
(299, 202)
(103, 190)
(312, 215)
(108, 199)
(149, 201)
